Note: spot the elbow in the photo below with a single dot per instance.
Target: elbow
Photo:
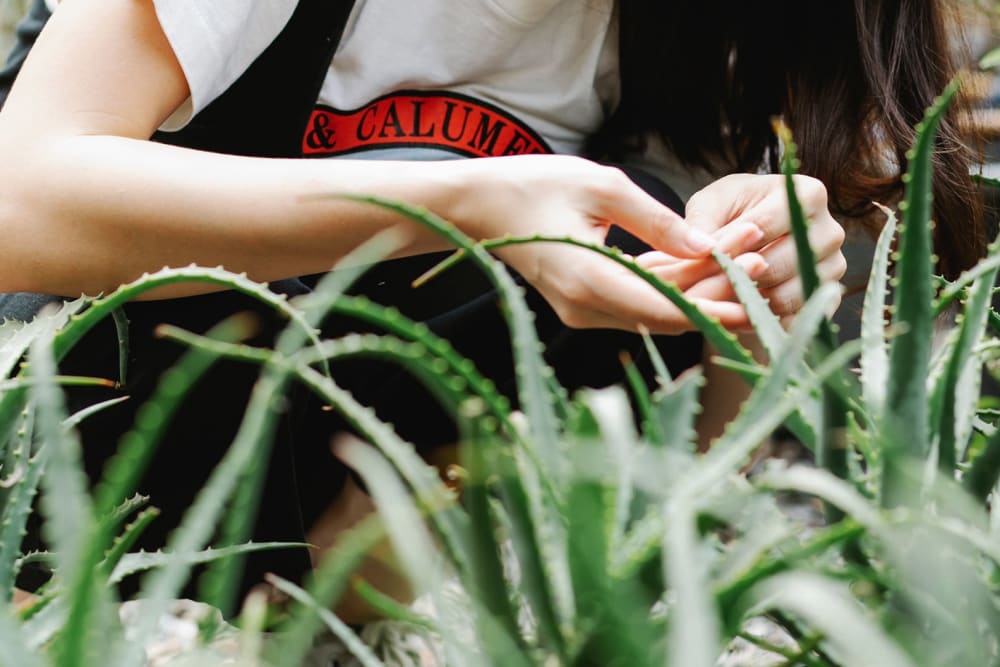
(27, 246)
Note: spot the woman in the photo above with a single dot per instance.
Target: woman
(504, 80)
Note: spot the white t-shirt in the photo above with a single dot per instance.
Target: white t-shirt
(553, 64)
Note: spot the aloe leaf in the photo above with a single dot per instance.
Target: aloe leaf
(198, 524)
(612, 614)
(953, 420)
(548, 540)
(875, 349)
(986, 180)
(124, 542)
(220, 583)
(729, 590)
(541, 556)
(695, 630)
(15, 519)
(390, 609)
(449, 384)
(451, 525)
(410, 539)
(487, 581)
(121, 331)
(953, 290)
(984, 470)
(126, 467)
(393, 322)
(534, 395)
(760, 414)
(906, 416)
(328, 581)
(133, 563)
(402, 517)
(101, 308)
(765, 323)
(14, 651)
(60, 380)
(676, 409)
(17, 336)
(822, 484)
(831, 445)
(422, 478)
(70, 524)
(81, 416)
(611, 409)
(724, 341)
(340, 630)
(829, 608)
(644, 407)
(656, 359)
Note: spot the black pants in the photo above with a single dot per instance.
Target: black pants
(302, 476)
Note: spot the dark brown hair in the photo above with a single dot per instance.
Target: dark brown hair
(850, 77)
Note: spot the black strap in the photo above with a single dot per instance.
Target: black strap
(265, 112)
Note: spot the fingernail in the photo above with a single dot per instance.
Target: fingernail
(758, 269)
(699, 241)
(756, 235)
(753, 265)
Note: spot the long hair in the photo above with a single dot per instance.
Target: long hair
(850, 77)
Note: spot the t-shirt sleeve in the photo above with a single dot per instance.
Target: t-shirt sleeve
(215, 41)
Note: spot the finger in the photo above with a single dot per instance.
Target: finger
(771, 214)
(782, 257)
(710, 281)
(621, 300)
(787, 297)
(731, 240)
(788, 320)
(632, 209)
(721, 202)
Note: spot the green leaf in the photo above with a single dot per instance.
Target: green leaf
(328, 581)
(340, 630)
(142, 561)
(875, 349)
(906, 415)
(677, 407)
(532, 371)
(827, 607)
(70, 525)
(14, 652)
(695, 630)
(219, 585)
(953, 396)
(990, 60)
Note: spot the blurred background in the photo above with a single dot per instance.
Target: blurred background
(10, 12)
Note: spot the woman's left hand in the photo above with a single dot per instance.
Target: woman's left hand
(739, 200)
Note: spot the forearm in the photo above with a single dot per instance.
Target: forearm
(116, 207)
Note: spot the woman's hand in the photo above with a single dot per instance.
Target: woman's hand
(567, 196)
(761, 201)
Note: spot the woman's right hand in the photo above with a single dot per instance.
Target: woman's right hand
(568, 196)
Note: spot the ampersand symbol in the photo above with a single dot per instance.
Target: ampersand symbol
(320, 137)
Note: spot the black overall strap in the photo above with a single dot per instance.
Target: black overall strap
(265, 112)
(242, 121)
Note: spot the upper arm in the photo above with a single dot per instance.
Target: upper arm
(98, 67)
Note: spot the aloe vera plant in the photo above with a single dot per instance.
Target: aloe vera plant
(578, 537)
